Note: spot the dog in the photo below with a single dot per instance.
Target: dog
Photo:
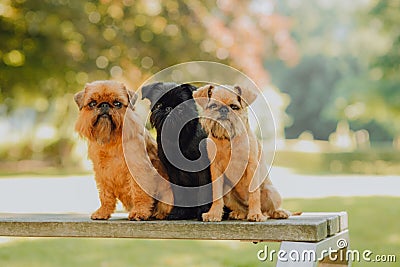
(181, 138)
(239, 180)
(105, 107)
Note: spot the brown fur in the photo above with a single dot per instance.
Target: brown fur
(236, 154)
(106, 150)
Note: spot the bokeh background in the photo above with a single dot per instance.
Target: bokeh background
(330, 70)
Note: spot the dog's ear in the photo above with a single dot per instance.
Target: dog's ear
(245, 96)
(149, 91)
(203, 95)
(189, 87)
(78, 97)
(132, 97)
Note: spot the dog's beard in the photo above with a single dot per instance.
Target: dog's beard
(219, 129)
(157, 118)
(104, 128)
(224, 129)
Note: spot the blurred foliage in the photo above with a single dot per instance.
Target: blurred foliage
(386, 15)
(51, 48)
(347, 70)
(55, 46)
(373, 96)
(382, 92)
(311, 85)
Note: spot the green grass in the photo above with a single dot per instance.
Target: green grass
(42, 172)
(373, 221)
(374, 225)
(102, 252)
(371, 162)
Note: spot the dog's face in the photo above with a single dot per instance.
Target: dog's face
(102, 106)
(224, 109)
(172, 101)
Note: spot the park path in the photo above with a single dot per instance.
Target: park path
(78, 193)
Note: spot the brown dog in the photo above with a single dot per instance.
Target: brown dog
(236, 156)
(105, 108)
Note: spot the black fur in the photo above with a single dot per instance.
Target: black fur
(165, 97)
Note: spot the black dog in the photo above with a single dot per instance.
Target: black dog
(181, 147)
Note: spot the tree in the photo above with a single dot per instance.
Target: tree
(311, 86)
(334, 80)
(51, 48)
(373, 97)
(386, 67)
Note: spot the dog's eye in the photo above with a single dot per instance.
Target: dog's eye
(212, 106)
(117, 104)
(234, 107)
(92, 104)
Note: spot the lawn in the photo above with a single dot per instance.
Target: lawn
(373, 225)
(374, 161)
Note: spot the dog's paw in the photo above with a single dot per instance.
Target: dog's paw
(161, 211)
(280, 214)
(237, 215)
(256, 217)
(138, 215)
(160, 215)
(100, 215)
(212, 217)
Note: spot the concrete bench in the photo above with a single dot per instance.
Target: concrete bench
(315, 232)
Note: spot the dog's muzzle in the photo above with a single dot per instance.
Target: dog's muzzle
(223, 111)
(104, 108)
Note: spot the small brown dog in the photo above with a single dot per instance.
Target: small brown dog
(235, 154)
(105, 108)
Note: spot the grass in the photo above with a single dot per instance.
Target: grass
(371, 162)
(374, 225)
(101, 252)
(373, 221)
(25, 168)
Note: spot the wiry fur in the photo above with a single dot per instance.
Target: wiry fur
(164, 96)
(237, 154)
(102, 127)
(222, 129)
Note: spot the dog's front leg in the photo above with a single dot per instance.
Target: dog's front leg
(217, 208)
(163, 206)
(142, 206)
(108, 202)
(255, 213)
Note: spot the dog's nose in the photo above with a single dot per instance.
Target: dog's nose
(104, 107)
(224, 110)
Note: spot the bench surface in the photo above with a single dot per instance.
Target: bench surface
(309, 227)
